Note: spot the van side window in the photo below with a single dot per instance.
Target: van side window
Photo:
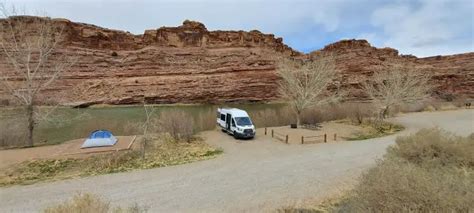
(222, 117)
(233, 122)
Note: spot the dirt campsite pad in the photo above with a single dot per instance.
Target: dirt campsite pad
(69, 149)
(315, 134)
(123, 143)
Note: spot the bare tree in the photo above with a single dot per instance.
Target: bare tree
(29, 48)
(146, 125)
(397, 85)
(304, 83)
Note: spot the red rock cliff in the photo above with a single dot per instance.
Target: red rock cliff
(189, 64)
(356, 59)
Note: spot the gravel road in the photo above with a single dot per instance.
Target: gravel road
(252, 175)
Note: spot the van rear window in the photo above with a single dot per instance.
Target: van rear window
(222, 117)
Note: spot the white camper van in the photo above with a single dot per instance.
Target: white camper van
(235, 122)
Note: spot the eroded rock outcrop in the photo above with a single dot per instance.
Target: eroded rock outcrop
(356, 60)
(189, 64)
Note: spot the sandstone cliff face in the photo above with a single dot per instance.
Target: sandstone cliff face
(189, 64)
(356, 60)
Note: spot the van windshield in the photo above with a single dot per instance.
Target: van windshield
(243, 121)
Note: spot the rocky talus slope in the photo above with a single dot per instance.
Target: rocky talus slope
(189, 64)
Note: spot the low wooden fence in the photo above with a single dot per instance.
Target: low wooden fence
(316, 138)
(278, 136)
(304, 139)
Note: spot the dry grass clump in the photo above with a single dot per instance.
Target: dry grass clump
(81, 203)
(272, 117)
(205, 120)
(374, 128)
(372, 133)
(432, 105)
(161, 153)
(178, 124)
(165, 153)
(435, 148)
(356, 112)
(430, 171)
(397, 186)
(282, 117)
(85, 203)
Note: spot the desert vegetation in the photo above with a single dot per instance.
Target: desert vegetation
(375, 129)
(164, 139)
(162, 150)
(308, 86)
(82, 203)
(352, 113)
(178, 125)
(64, 124)
(429, 171)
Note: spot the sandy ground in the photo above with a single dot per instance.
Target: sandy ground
(251, 176)
(69, 149)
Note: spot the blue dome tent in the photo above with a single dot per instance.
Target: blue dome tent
(100, 138)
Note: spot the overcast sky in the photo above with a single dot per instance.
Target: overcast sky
(418, 27)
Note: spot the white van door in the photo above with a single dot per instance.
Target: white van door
(228, 119)
(233, 125)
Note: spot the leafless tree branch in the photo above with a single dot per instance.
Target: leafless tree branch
(28, 45)
(304, 84)
(396, 85)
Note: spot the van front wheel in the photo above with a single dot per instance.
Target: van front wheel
(235, 135)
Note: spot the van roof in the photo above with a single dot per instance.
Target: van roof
(235, 112)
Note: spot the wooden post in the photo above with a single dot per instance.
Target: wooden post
(335, 137)
(302, 140)
(265, 130)
(272, 133)
(325, 138)
(286, 139)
